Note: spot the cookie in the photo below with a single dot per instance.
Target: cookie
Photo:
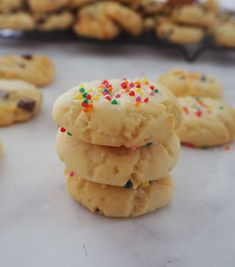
(113, 201)
(196, 15)
(36, 69)
(8, 6)
(130, 113)
(117, 166)
(19, 101)
(207, 122)
(212, 5)
(57, 21)
(187, 83)
(178, 34)
(152, 7)
(105, 20)
(41, 6)
(20, 21)
(224, 34)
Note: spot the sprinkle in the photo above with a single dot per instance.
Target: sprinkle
(221, 107)
(71, 174)
(132, 85)
(137, 104)
(128, 185)
(145, 184)
(134, 148)
(152, 87)
(156, 91)
(138, 90)
(85, 101)
(198, 113)
(123, 85)
(108, 97)
(82, 90)
(68, 133)
(62, 129)
(86, 109)
(185, 109)
(96, 97)
(78, 97)
(146, 100)
(85, 105)
(138, 99)
(132, 93)
(88, 96)
(151, 94)
(117, 96)
(84, 95)
(226, 148)
(114, 102)
(189, 145)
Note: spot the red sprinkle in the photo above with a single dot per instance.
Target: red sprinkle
(71, 174)
(146, 100)
(117, 96)
(152, 87)
(123, 85)
(85, 105)
(185, 109)
(88, 97)
(198, 113)
(62, 129)
(132, 85)
(108, 97)
(132, 93)
(138, 99)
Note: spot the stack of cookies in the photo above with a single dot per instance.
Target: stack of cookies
(117, 139)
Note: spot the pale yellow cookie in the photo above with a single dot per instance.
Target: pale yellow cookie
(60, 21)
(42, 6)
(188, 83)
(178, 34)
(105, 20)
(118, 112)
(224, 34)
(116, 166)
(207, 122)
(194, 15)
(7, 6)
(19, 101)
(114, 201)
(20, 21)
(36, 69)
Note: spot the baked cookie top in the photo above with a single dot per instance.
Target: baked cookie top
(189, 83)
(118, 112)
(207, 121)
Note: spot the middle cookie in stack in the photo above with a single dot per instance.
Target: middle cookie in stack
(117, 139)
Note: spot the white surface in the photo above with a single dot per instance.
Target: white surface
(41, 226)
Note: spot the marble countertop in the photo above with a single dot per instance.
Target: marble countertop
(41, 226)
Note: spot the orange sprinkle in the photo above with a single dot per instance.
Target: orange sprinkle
(137, 104)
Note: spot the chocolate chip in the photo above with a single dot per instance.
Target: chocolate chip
(128, 184)
(4, 94)
(27, 56)
(203, 77)
(27, 104)
(97, 210)
(149, 144)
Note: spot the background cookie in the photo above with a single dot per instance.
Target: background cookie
(7, 6)
(117, 166)
(104, 20)
(224, 34)
(118, 112)
(120, 202)
(19, 101)
(206, 122)
(186, 83)
(36, 69)
(47, 5)
(17, 21)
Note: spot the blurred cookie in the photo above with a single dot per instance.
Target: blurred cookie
(211, 5)
(186, 83)
(113, 201)
(8, 6)
(178, 34)
(36, 69)
(195, 15)
(20, 21)
(224, 34)
(130, 113)
(47, 5)
(207, 122)
(57, 21)
(105, 20)
(19, 101)
(116, 166)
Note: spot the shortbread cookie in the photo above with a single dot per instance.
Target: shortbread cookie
(118, 112)
(36, 69)
(19, 101)
(7, 6)
(105, 20)
(113, 201)
(194, 15)
(116, 166)
(20, 21)
(224, 34)
(41, 6)
(207, 122)
(178, 34)
(187, 83)
(60, 21)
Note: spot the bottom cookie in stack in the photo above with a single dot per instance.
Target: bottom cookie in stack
(113, 201)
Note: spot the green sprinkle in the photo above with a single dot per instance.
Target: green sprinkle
(82, 90)
(86, 101)
(114, 102)
(221, 107)
(84, 95)
(68, 133)
(156, 91)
